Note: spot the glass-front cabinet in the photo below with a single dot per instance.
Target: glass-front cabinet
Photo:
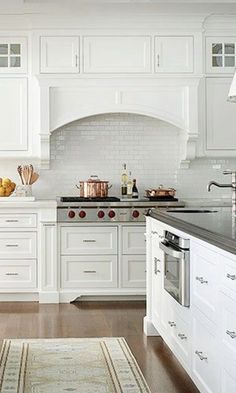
(13, 55)
(220, 55)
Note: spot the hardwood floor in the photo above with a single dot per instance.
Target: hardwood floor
(159, 366)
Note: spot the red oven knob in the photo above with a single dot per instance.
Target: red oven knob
(135, 214)
(111, 214)
(82, 214)
(71, 214)
(101, 214)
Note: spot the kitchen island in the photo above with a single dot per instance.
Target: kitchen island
(202, 335)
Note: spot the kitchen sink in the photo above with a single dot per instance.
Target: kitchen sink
(191, 211)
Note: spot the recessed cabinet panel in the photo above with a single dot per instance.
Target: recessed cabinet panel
(18, 274)
(134, 240)
(117, 54)
(18, 245)
(221, 116)
(60, 54)
(220, 55)
(90, 271)
(88, 240)
(13, 114)
(134, 271)
(174, 54)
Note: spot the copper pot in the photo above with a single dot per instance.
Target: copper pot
(160, 192)
(94, 188)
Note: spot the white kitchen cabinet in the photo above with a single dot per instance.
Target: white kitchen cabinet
(117, 54)
(18, 274)
(13, 114)
(133, 271)
(205, 355)
(59, 54)
(220, 55)
(133, 240)
(16, 220)
(16, 245)
(13, 55)
(221, 117)
(89, 271)
(205, 280)
(174, 54)
(88, 240)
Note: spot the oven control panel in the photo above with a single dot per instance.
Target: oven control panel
(101, 214)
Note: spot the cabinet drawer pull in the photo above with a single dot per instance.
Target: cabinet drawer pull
(182, 336)
(90, 271)
(200, 355)
(231, 276)
(89, 241)
(231, 334)
(11, 220)
(201, 280)
(12, 245)
(76, 60)
(158, 60)
(154, 232)
(156, 270)
(11, 274)
(172, 323)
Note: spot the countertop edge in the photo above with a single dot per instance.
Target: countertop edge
(215, 239)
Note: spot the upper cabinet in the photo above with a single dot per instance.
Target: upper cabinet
(13, 55)
(220, 55)
(59, 54)
(174, 54)
(13, 115)
(117, 54)
(221, 117)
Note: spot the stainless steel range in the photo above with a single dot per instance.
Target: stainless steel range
(111, 209)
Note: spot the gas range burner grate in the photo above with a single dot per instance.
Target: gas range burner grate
(81, 199)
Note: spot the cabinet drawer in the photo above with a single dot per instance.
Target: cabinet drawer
(19, 245)
(89, 271)
(17, 274)
(133, 271)
(18, 220)
(89, 240)
(205, 355)
(134, 240)
(205, 281)
(182, 340)
(227, 323)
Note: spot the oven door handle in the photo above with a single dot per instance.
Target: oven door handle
(170, 251)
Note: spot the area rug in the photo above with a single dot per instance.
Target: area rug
(83, 365)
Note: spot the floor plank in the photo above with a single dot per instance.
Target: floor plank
(104, 319)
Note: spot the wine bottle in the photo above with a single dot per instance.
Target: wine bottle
(129, 186)
(124, 181)
(134, 189)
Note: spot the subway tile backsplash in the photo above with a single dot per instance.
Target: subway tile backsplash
(99, 145)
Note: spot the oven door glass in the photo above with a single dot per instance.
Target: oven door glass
(172, 276)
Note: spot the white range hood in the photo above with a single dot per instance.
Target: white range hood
(174, 100)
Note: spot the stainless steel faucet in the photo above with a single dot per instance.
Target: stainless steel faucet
(229, 185)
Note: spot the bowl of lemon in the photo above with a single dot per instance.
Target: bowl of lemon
(7, 187)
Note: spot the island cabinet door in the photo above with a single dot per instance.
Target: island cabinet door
(204, 280)
(205, 354)
(227, 323)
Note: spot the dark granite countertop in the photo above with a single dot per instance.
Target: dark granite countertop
(217, 228)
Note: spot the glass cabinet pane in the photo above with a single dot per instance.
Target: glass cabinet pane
(229, 61)
(15, 49)
(15, 61)
(229, 49)
(3, 49)
(217, 49)
(217, 61)
(4, 61)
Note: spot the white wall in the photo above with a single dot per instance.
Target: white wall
(100, 144)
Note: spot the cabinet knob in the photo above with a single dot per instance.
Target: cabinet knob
(201, 280)
(172, 323)
(182, 336)
(231, 276)
(232, 334)
(200, 355)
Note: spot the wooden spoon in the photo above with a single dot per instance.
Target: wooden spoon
(34, 177)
